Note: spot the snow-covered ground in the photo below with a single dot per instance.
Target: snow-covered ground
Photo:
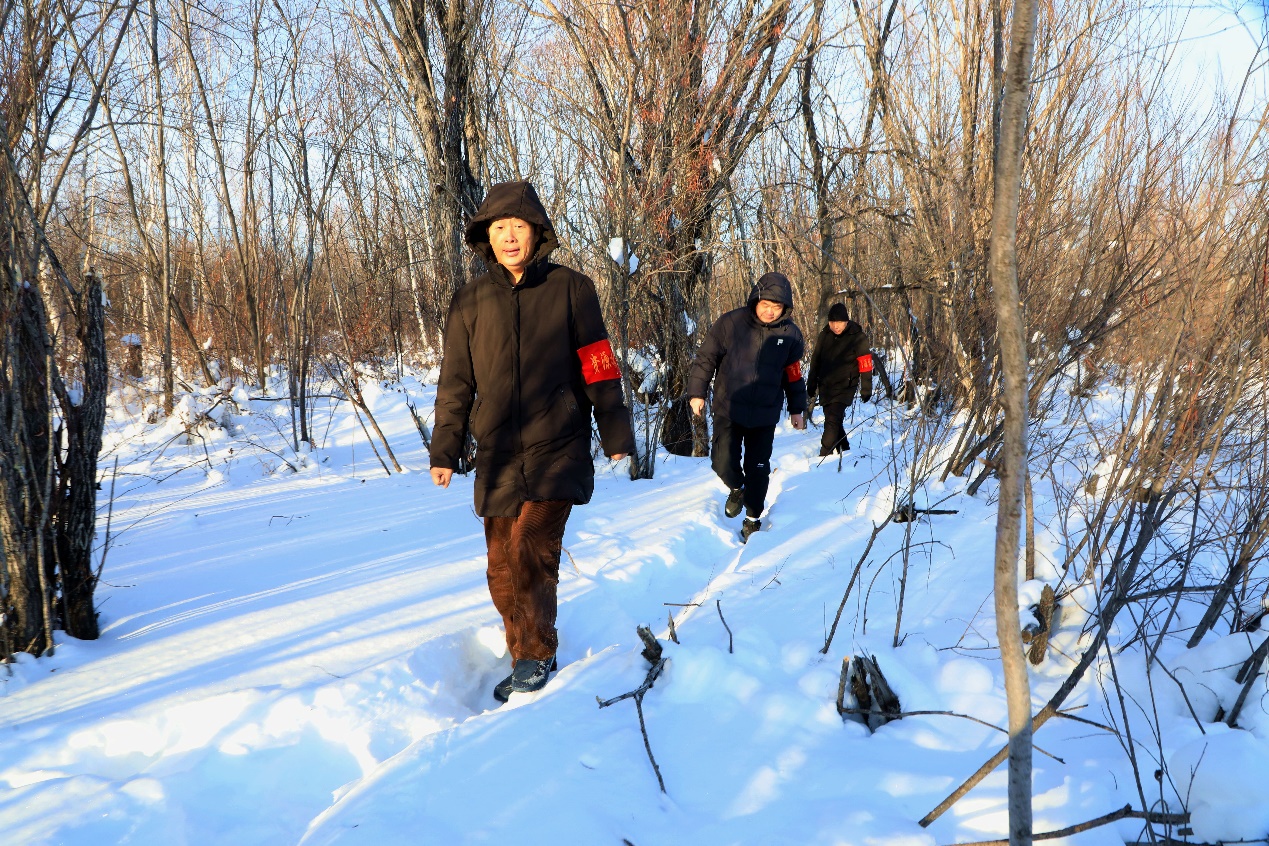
(300, 649)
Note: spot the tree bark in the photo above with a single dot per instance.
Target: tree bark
(165, 267)
(443, 101)
(75, 512)
(1003, 266)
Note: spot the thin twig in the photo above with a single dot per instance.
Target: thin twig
(719, 604)
(876, 530)
(110, 512)
(1069, 716)
(640, 690)
(867, 711)
(646, 743)
(1193, 714)
(637, 696)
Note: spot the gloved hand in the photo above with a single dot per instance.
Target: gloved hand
(864, 396)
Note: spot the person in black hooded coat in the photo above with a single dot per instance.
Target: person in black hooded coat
(840, 366)
(527, 361)
(753, 356)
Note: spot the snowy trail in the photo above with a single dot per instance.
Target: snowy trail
(292, 624)
(684, 552)
(308, 657)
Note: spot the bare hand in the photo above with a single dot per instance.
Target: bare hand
(618, 456)
(798, 421)
(698, 406)
(441, 476)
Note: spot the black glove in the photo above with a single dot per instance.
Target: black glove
(865, 396)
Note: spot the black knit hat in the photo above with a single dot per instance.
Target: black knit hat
(837, 313)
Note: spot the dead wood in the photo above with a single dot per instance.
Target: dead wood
(651, 646)
(1124, 813)
(1248, 675)
(1037, 634)
(1149, 524)
(908, 513)
(842, 682)
(652, 652)
(875, 701)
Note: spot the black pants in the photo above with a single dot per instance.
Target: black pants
(834, 439)
(753, 473)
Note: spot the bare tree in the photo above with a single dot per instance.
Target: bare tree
(436, 45)
(1013, 355)
(675, 94)
(50, 427)
(243, 222)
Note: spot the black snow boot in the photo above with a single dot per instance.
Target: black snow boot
(527, 675)
(502, 690)
(750, 526)
(735, 502)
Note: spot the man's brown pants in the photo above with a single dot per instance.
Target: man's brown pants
(524, 572)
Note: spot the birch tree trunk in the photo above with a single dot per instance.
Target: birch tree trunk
(165, 266)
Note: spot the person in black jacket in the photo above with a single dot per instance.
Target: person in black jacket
(840, 366)
(753, 355)
(526, 363)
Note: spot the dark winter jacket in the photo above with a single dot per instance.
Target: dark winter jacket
(527, 363)
(840, 366)
(756, 367)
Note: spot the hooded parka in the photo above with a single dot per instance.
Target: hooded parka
(756, 367)
(840, 366)
(525, 365)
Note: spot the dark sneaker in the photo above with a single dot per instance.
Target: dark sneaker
(750, 526)
(530, 674)
(735, 502)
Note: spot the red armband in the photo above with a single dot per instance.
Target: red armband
(865, 363)
(598, 362)
(794, 371)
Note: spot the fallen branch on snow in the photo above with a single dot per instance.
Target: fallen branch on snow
(1124, 813)
(652, 652)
